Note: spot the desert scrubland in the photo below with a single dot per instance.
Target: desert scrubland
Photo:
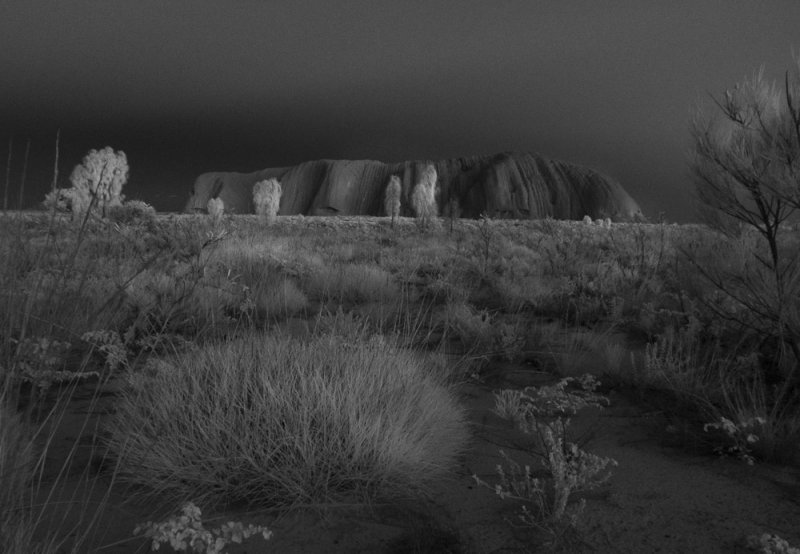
(361, 384)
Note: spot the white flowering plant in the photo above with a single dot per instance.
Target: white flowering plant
(109, 345)
(186, 533)
(543, 412)
(770, 544)
(741, 434)
(41, 361)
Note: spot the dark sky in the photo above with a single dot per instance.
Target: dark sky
(185, 87)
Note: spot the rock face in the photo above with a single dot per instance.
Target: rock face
(508, 185)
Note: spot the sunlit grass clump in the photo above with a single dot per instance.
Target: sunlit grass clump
(274, 421)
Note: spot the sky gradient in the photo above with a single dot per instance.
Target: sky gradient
(185, 87)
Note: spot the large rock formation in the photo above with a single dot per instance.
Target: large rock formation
(508, 185)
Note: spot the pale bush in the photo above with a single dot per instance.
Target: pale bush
(101, 176)
(740, 434)
(279, 299)
(391, 199)
(216, 208)
(267, 198)
(473, 328)
(181, 301)
(274, 421)
(423, 198)
(359, 282)
(110, 347)
(132, 212)
(543, 413)
(186, 533)
(72, 200)
(767, 543)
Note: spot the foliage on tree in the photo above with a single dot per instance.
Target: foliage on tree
(216, 208)
(746, 166)
(391, 198)
(452, 211)
(101, 176)
(423, 199)
(267, 198)
(71, 200)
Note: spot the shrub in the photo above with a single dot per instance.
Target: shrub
(423, 199)
(72, 200)
(216, 208)
(474, 329)
(267, 198)
(453, 211)
(358, 282)
(131, 212)
(279, 298)
(745, 163)
(275, 421)
(101, 176)
(187, 532)
(391, 198)
(767, 543)
(544, 414)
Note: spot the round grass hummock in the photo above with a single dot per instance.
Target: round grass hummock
(278, 422)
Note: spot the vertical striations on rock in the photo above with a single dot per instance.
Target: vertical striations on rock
(506, 185)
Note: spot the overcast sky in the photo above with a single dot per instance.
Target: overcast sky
(185, 87)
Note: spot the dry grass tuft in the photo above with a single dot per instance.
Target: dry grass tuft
(275, 421)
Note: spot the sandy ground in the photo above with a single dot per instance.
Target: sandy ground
(660, 498)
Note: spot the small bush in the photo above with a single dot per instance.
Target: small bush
(544, 414)
(275, 421)
(279, 299)
(132, 212)
(216, 209)
(767, 543)
(360, 282)
(267, 198)
(188, 534)
(72, 200)
(473, 328)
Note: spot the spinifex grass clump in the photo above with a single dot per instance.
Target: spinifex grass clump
(278, 422)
